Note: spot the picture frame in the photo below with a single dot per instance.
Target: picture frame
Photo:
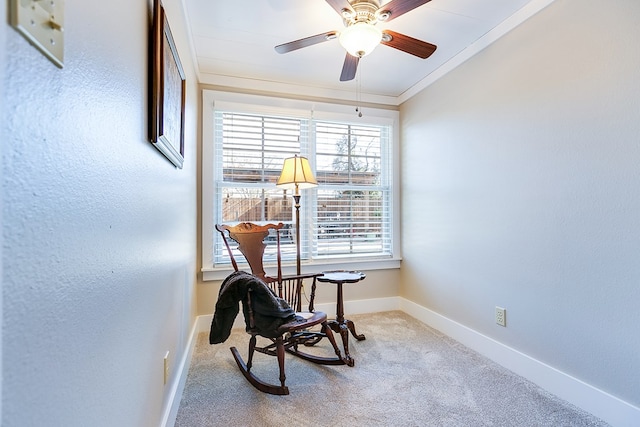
(168, 90)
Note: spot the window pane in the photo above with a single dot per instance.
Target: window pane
(254, 147)
(261, 206)
(348, 154)
(353, 209)
(242, 204)
(351, 222)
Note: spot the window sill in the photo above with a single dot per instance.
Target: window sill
(219, 273)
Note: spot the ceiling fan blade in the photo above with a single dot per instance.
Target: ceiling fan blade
(307, 41)
(396, 8)
(408, 44)
(339, 5)
(349, 68)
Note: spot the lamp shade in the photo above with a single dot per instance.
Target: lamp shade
(296, 171)
(360, 39)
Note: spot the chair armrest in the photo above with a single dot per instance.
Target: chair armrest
(302, 276)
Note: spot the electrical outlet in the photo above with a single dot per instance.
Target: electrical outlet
(501, 316)
(166, 368)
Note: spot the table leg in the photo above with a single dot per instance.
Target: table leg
(340, 304)
(343, 330)
(339, 325)
(352, 328)
(344, 323)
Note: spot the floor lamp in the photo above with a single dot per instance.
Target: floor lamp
(297, 174)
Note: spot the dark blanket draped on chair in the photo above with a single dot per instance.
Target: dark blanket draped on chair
(269, 311)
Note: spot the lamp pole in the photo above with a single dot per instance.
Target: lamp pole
(296, 198)
(296, 171)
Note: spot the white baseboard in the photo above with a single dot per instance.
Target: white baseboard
(177, 386)
(362, 306)
(609, 408)
(203, 323)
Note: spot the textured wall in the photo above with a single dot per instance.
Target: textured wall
(520, 189)
(3, 37)
(99, 228)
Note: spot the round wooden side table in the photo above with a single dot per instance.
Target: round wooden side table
(340, 324)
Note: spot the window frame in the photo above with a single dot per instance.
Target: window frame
(312, 110)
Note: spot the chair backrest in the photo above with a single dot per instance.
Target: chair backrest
(250, 238)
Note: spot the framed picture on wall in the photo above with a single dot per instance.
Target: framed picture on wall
(168, 90)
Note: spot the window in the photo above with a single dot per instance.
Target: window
(353, 195)
(347, 219)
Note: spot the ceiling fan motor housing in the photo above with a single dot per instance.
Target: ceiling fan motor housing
(365, 11)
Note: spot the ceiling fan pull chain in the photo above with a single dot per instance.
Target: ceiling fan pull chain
(359, 92)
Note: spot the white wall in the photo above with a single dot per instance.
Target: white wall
(521, 178)
(99, 228)
(3, 18)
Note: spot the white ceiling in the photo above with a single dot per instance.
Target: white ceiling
(233, 42)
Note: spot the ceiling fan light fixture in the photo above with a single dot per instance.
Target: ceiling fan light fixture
(360, 38)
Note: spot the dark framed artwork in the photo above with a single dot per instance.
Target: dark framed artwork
(168, 90)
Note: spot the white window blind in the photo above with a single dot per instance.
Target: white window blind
(353, 197)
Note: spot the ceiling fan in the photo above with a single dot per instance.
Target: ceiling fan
(360, 35)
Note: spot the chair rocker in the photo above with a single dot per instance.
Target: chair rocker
(293, 333)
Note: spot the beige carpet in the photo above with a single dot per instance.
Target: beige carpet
(405, 374)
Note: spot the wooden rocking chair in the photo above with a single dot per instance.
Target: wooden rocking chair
(289, 336)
